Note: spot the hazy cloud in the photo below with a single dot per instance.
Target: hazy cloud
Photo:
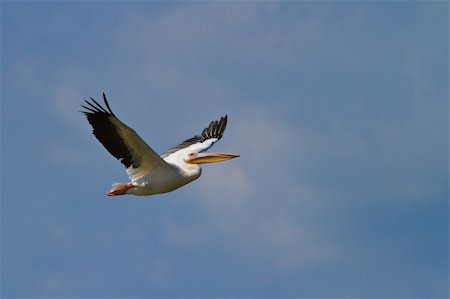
(339, 112)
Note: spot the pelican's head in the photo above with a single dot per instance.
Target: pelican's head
(203, 158)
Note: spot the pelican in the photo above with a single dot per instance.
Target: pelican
(149, 172)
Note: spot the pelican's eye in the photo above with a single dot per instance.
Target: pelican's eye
(192, 155)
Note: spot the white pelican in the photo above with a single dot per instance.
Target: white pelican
(149, 172)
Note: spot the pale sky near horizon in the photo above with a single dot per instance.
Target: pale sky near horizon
(338, 109)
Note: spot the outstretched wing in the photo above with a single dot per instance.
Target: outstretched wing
(203, 142)
(122, 141)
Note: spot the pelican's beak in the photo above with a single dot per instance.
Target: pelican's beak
(202, 158)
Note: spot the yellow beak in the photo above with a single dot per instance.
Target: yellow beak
(202, 158)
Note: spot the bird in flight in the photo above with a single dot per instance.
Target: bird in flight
(149, 172)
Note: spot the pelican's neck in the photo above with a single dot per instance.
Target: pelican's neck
(187, 170)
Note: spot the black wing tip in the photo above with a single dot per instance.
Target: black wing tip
(107, 104)
(216, 128)
(94, 108)
(87, 111)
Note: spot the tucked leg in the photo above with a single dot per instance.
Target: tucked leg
(121, 190)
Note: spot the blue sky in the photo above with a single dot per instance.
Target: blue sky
(338, 109)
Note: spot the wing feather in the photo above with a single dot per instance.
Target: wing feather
(122, 141)
(213, 132)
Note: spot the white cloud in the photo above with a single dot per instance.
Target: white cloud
(259, 221)
(160, 273)
(67, 97)
(64, 154)
(183, 54)
(53, 284)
